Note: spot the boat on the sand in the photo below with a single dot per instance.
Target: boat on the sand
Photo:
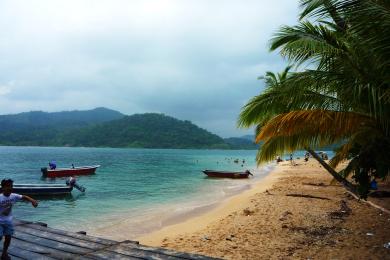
(66, 172)
(227, 174)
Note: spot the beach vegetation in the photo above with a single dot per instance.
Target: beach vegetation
(338, 93)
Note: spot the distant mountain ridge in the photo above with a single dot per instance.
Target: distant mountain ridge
(59, 119)
(102, 127)
(242, 143)
(248, 137)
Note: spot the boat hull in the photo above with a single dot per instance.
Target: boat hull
(42, 189)
(224, 174)
(66, 172)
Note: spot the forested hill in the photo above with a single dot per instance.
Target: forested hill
(103, 127)
(39, 128)
(147, 131)
(67, 119)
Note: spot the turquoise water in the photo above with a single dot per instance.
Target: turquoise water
(148, 186)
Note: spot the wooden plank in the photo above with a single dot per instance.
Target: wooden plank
(102, 241)
(50, 243)
(17, 222)
(15, 257)
(103, 254)
(35, 241)
(60, 238)
(167, 252)
(26, 254)
(55, 253)
(141, 253)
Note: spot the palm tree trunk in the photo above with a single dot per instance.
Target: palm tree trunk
(349, 186)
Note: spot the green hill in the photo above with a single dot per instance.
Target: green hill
(103, 127)
(144, 130)
(68, 119)
(42, 128)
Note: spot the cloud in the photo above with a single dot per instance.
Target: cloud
(193, 59)
(4, 90)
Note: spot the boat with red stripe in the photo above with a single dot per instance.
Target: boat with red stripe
(66, 172)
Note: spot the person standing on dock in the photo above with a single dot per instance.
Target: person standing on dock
(7, 199)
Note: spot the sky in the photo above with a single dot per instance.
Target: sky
(195, 60)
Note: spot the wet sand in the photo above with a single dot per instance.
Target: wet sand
(293, 213)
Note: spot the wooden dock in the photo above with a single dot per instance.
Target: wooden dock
(37, 241)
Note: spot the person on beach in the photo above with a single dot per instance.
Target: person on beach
(307, 155)
(291, 159)
(7, 199)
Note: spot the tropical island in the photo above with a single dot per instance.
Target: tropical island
(334, 91)
(102, 127)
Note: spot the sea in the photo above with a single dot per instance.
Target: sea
(150, 188)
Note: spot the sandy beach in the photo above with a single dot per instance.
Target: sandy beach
(274, 221)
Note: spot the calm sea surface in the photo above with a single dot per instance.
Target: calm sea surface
(149, 186)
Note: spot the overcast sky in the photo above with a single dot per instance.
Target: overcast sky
(196, 60)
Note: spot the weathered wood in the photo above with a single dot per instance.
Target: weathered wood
(26, 254)
(35, 241)
(98, 240)
(306, 196)
(349, 186)
(321, 184)
(139, 252)
(17, 222)
(60, 238)
(55, 253)
(15, 257)
(50, 243)
(111, 255)
(166, 252)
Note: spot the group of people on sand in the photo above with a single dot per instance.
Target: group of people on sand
(323, 155)
(278, 159)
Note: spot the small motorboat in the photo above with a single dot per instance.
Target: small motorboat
(226, 174)
(66, 172)
(47, 189)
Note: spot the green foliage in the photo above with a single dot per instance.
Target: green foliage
(146, 131)
(341, 92)
(42, 128)
(107, 128)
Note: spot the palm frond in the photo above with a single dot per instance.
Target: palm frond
(307, 42)
(323, 9)
(316, 123)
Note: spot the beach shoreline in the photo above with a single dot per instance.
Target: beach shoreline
(217, 212)
(159, 220)
(294, 212)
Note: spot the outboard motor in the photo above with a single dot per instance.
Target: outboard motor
(72, 182)
(247, 171)
(44, 171)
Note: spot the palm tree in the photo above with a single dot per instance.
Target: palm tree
(343, 95)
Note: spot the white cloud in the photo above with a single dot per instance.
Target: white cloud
(4, 90)
(194, 59)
